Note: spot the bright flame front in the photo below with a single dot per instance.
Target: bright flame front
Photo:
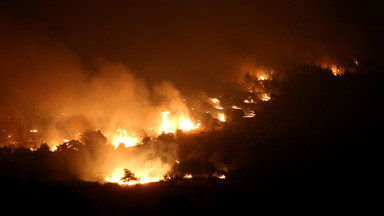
(118, 175)
(265, 97)
(122, 138)
(165, 126)
(187, 125)
(178, 122)
(222, 117)
(217, 103)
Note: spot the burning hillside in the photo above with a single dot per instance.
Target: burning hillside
(122, 115)
(127, 118)
(115, 152)
(127, 149)
(299, 137)
(203, 103)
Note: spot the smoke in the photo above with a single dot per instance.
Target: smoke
(46, 89)
(40, 77)
(200, 44)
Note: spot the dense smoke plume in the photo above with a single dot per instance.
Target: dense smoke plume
(44, 81)
(47, 91)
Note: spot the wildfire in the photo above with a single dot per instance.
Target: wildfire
(33, 131)
(182, 123)
(222, 117)
(355, 62)
(187, 125)
(217, 103)
(248, 101)
(236, 107)
(122, 138)
(215, 100)
(188, 176)
(170, 123)
(53, 148)
(337, 71)
(262, 78)
(250, 114)
(265, 97)
(165, 127)
(117, 178)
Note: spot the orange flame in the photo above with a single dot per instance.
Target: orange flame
(222, 117)
(123, 138)
(265, 97)
(217, 103)
(182, 123)
(165, 126)
(187, 125)
(117, 178)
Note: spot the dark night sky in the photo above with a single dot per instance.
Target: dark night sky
(197, 43)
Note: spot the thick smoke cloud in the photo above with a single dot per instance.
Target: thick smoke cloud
(45, 85)
(46, 88)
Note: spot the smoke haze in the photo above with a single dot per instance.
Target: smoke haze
(172, 40)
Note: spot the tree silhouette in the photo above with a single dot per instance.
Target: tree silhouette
(128, 176)
(43, 147)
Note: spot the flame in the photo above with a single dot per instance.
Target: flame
(217, 103)
(117, 176)
(221, 177)
(122, 138)
(249, 114)
(33, 131)
(187, 125)
(181, 122)
(236, 107)
(249, 101)
(188, 176)
(262, 78)
(336, 70)
(222, 117)
(165, 126)
(265, 97)
(355, 62)
(169, 125)
(215, 100)
(144, 179)
(53, 148)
